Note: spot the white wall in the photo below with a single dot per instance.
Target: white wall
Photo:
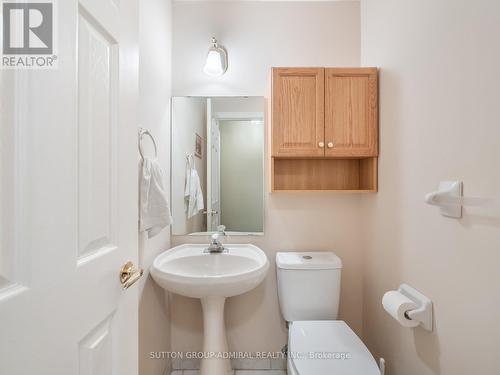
(439, 119)
(189, 117)
(253, 104)
(154, 106)
(259, 35)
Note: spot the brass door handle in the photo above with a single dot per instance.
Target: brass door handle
(129, 275)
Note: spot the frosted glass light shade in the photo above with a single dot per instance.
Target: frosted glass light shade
(214, 66)
(216, 63)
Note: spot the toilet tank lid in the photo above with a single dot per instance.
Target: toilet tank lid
(313, 260)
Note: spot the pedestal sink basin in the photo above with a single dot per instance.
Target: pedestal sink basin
(190, 271)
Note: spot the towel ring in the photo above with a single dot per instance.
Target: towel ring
(143, 132)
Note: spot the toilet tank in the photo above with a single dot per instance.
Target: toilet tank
(308, 285)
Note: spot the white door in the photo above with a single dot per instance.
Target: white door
(213, 176)
(68, 199)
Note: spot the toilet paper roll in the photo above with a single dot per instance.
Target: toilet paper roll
(396, 304)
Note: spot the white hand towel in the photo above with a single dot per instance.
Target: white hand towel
(154, 207)
(193, 194)
(187, 186)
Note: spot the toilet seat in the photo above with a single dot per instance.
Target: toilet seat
(327, 347)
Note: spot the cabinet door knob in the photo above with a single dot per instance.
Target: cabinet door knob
(321, 144)
(330, 144)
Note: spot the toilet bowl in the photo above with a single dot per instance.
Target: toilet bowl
(309, 293)
(327, 347)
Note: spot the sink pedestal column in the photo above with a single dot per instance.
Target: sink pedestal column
(214, 338)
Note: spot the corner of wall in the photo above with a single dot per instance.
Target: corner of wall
(155, 89)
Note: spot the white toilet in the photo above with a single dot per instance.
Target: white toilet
(309, 292)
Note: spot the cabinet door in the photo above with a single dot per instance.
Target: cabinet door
(298, 112)
(351, 112)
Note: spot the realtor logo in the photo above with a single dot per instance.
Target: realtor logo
(28, 35)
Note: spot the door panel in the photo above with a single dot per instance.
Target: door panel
(96, 350)
(10, 266)
(97, 131)
(298, 117)
(70, 199)
(351, 118)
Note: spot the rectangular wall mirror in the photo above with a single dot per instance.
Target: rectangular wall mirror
(217, 165)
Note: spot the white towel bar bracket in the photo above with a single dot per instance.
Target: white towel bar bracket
(450, 200)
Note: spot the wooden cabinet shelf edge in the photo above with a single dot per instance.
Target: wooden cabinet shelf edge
(326, 175)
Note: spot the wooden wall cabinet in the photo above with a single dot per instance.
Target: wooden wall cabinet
(351, 112)
(298, 112)
(324, 129)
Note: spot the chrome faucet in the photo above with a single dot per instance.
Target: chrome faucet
(216, 247)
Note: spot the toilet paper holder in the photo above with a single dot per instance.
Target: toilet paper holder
(423, 312)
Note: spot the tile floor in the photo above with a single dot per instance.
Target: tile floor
(237, 372)
(249, 366)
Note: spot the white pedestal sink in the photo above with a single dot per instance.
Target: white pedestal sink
(190, 271)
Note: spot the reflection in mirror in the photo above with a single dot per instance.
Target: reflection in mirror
(217, 164)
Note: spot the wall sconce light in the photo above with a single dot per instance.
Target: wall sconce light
(216, 64)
